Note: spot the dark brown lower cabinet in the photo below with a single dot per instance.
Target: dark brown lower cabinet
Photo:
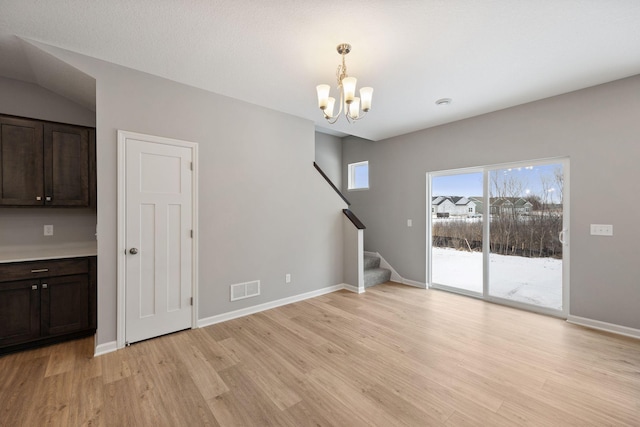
(19, 312)
(42, 302)
(64, 305)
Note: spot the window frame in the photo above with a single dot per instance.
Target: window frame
(351, 176)
(486, 294)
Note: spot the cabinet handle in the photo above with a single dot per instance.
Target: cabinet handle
(40, 270)
(45, 286)
(48, 198)
(34, 287)
(38, 198)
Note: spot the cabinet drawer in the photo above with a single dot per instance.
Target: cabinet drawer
(45, 268)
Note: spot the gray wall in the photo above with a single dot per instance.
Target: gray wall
(29, 100)
(329, 156)
(20, 227)
(598, 128)
(264, 211)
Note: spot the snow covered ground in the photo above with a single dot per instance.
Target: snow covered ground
(535, 281)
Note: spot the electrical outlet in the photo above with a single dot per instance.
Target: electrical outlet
(48, 230)
(409, 223)
(601, 230)
(287, 278)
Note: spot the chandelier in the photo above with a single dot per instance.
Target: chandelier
(354, 107)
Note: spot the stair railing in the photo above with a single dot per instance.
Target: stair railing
(353, 243)
(324, 175)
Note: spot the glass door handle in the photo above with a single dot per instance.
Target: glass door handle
(561, 237)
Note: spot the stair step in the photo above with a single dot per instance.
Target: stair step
(371, 261)
(375, 276)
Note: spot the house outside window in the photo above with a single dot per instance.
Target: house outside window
(358, 176)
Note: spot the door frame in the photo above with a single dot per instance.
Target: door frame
(123, 135)
(566, 276)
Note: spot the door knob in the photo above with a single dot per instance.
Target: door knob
(133, 251)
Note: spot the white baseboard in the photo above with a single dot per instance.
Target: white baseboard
(604, 326)
(266, 306)
(105, 348)
(352, 288)
(414, 283)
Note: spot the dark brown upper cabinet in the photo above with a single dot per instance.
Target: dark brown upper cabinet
(21, 162)
(46, 164)
(66, 165)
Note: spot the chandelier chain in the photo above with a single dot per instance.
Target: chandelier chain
(341, 72)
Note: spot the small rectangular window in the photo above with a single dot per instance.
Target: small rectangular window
(358, 176)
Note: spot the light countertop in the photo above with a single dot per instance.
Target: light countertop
(35, 253)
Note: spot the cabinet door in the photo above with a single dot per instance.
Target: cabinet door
(21, 162)
(66, 165)
(65, 304)
(19, 311)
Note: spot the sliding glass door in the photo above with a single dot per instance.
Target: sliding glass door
(456, 224)
(500, 233)
(526, 251)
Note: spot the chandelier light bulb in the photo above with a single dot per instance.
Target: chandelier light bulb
(331, 102)
(366, 93)
(323, 95)
(349, 87)
(354, 108)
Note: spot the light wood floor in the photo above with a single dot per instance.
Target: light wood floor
(393, 356)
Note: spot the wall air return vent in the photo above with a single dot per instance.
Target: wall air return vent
(245, 290)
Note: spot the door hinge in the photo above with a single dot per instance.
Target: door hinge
(191, 301)
(192, 234)
(191, 166)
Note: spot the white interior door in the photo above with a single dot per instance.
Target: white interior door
(158, 259)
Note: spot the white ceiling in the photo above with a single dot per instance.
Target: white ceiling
(485, 55)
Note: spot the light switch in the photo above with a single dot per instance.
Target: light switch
(601, 230)
(409, 223)
(48, 230)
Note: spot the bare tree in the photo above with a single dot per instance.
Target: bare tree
(512, 230)
(558, 177)
(505, 190)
